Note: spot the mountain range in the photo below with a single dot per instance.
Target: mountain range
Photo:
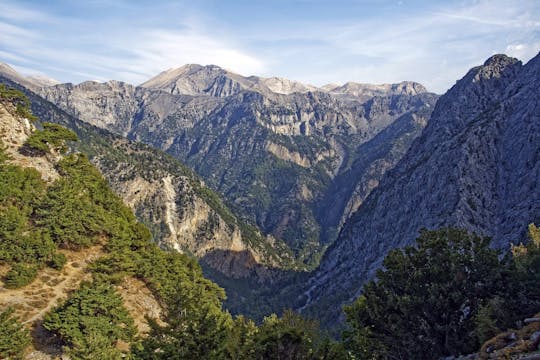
(274, 156)
(328, 179)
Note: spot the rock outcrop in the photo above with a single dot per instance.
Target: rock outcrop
(15, 131)
(100, 104)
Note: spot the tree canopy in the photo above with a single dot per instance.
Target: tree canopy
(437, 298)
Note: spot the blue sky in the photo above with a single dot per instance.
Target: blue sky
(313, 41)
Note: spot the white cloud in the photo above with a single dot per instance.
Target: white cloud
(158, 50)
(434, 45)
(127, 51)
(523, 51)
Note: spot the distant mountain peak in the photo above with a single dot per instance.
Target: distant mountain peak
(6, 68)
(31, 81)
(213, 80)
(43, 80)
(365, 91)
(285, 86)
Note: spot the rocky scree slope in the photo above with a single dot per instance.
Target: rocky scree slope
(182, 213)
(475, 166)
(274, 155)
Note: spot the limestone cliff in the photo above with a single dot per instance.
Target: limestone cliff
(476, 166)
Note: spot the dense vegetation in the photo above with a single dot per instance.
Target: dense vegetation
(24, 245)
(91, 322)
(52, 137)
(18, 100)
(443, 297)
(14, 338)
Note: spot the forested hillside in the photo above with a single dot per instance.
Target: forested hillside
(180, 211)
(72, 252)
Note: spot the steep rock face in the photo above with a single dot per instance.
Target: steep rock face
(99, 103)
(376, 157)
(475, 166)
(182, 213)
(15, 131)
(180, 219)
(272, 155)
(263, 154)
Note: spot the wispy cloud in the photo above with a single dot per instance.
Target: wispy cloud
(433, 43)
(156, 50)
(523, 51)
(15, 12)
(128, 52)
(435, 46)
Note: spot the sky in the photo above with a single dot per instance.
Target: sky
(312, 41)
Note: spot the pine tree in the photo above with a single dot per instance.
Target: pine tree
(92, 320)
(426, 298)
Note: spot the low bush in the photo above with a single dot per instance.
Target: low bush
(57, 261)
(20, 275)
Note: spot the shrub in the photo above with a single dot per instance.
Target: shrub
(57, 261)
(20, 275)
(426, 301)
(91, 321)
(52, 136)
(17, 98)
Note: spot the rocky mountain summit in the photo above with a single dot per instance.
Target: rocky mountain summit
(273, 147)
(475, 166)
(193, 79)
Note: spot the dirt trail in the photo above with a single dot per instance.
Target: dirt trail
(50, 287)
